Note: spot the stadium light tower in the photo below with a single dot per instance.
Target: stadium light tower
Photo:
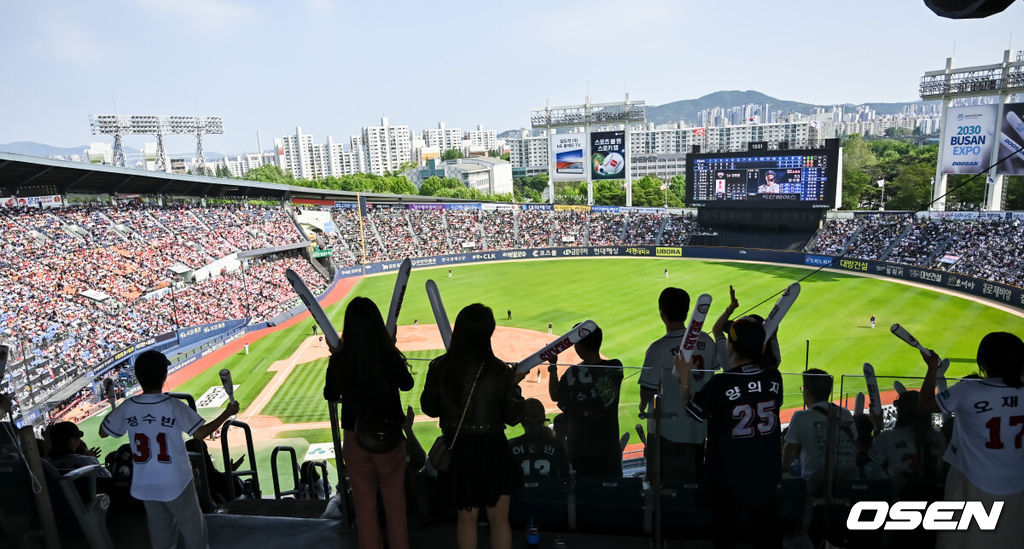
(1000, 80)
(112, 124)
(148, 124)
(587, 115)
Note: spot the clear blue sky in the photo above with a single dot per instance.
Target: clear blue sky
(332, 67)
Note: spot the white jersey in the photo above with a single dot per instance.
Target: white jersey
(809, 429)
(154, 423)
(988, 434)
(896, 451)
(659, 375)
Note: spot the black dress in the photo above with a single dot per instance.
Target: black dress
(483, 468)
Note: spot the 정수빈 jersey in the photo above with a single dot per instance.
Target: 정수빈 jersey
(988, 435)
(659, 375)
(154, 423)
(741, 408)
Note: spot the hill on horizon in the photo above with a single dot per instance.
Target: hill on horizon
(687, 109)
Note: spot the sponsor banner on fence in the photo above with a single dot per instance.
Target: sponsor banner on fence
(345, 205)
(490, 207)
(545, 207)
(214, 397)
(195, 334)
(640, 209)
(998, 292)
(568, 151)
(608, 155)
(818, 260)
(1011, 139)
(48, 201)
(426, 206)
(469, 206)
(571, 208)
(607, 209)
(320, 450)
(968, 138)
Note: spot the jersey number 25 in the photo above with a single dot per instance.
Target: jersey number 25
(745, 414)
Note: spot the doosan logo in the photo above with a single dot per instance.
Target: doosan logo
(909, 515)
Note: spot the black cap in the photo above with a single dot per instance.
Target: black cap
(62, 433)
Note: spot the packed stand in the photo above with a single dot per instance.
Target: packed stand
(120, 256)
(429, 226)
(678, 229)
(464, 226)
(643, 228)
(606, 228)
(569, 228)
(393, 227)
(535, 228)
(499, 228)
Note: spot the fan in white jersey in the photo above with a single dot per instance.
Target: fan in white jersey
(162, 474)
(910, 452)
(986, 453)
(682, 437)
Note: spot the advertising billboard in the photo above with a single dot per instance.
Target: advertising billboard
(608, 155)
(568, 151)
(1011, 139)
(968, 138)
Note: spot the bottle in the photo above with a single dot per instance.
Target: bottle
(532, 534)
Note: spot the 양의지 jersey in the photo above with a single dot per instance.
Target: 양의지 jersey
(988, 434)
(154, 423)
(741, 408)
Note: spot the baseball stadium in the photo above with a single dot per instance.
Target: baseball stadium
(197, 272)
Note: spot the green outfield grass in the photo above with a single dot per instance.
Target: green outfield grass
(621, 296)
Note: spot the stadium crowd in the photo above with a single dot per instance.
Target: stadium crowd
(983, 248)
(84, 282)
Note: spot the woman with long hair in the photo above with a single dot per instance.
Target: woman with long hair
(366, 372)
(985, 455)
(476, 395)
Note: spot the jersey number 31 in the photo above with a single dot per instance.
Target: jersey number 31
(143, 452)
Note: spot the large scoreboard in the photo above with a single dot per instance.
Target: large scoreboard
(808, 178)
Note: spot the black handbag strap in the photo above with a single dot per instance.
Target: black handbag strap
(466, 409)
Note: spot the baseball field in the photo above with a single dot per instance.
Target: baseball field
(281, 379)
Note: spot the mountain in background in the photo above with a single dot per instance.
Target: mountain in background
(687, 109)
(31, 148)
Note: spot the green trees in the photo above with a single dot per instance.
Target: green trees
(270, 174)
(223, 171)
(451, 154)
(906, 168)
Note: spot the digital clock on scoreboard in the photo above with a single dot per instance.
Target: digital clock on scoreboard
(774, 179)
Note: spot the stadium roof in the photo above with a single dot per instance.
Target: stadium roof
(22, 175)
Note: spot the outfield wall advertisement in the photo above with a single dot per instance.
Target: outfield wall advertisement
(1002, 293)
(968, 138)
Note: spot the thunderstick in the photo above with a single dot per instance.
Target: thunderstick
(225, 379)
(875, 403)
(700, 312)
(398, 295)
(549, 352)
(330, 334)
(440, 316)
(786, 300)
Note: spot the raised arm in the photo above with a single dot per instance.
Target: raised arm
(208, 428)
(926, 402)
(718, 330)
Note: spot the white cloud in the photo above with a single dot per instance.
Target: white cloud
(69, 42)
(204, 14)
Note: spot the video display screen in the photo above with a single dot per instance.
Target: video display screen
(763, 179)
